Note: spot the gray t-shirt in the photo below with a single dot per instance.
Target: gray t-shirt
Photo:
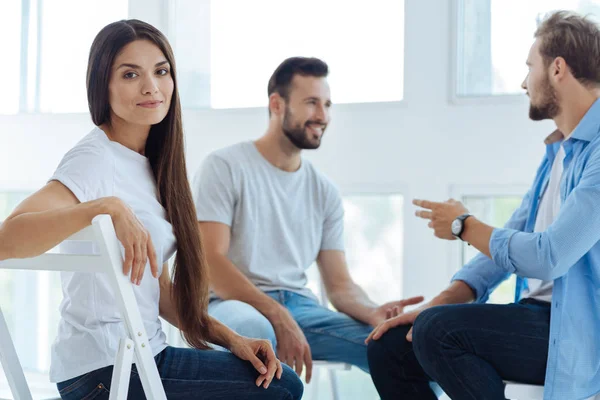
(279, 220)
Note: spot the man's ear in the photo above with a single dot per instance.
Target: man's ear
(559, 69)
(276, 104)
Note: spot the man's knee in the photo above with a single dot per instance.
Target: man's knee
(392, 345)
(259, 327)
(429, 330)
(377, 355)
(244, 319)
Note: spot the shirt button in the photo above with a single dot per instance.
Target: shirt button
(554, 342)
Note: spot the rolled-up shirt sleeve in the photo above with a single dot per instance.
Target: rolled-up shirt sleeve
(550, 254)
(481, 273)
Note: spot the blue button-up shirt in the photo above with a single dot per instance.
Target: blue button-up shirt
(567, 252)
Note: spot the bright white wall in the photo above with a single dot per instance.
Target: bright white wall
(421, 146)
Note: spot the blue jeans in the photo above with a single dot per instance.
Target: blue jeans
(332, 336)
(468, 349)
(191, 374)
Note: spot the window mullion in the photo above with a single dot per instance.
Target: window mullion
(38, 56)
(25, 11)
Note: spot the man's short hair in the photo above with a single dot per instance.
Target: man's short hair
(281, 79)
(576, 39)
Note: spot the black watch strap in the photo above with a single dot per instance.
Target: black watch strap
(462, 218)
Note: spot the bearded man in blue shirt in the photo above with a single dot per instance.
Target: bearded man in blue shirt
(551, 335)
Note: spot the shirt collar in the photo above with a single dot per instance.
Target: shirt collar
(586, 130)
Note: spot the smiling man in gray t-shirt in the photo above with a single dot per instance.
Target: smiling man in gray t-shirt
(266, 215)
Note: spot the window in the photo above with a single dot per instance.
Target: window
(495, 211)
(493, 41)
(225, 59)
(29, 302)
(10, 27)
(52, 40)
(65, 49)
(373, 239)
(8, 201)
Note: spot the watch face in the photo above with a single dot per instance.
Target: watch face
(456, 227)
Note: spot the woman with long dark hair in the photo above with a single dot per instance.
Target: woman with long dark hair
(132, 167)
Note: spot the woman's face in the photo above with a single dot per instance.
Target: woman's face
(141, 85)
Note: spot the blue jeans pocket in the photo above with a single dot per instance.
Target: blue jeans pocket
(85, 387)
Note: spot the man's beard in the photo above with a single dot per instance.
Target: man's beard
(298, 134)
(549, 107)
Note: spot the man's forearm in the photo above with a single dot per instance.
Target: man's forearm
(230, 284)
(354, 302)
(457, 293)
(478, 235)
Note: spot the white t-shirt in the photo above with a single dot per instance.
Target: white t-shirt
(279, 220)
(547, 213)
(91, 325)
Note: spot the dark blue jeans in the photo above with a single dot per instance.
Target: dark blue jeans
(191, 374)
(468, 349)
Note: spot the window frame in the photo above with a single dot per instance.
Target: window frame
(169, 19)
(459, 192)
(456, 12)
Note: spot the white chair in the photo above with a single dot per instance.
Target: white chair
(331, 367)
(522, 391)
(107, 259)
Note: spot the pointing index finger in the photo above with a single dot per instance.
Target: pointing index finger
(429, 205)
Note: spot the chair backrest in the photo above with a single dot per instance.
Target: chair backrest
(106, 257)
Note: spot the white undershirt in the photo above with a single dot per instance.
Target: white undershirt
(547, 212)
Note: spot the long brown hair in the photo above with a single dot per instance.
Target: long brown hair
(165, 151)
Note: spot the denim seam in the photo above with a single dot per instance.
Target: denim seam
(94, 393)
(403, 371)
(492, 330)
(322, 332)
(77, 384)
(458, 378)
(449, 368)
(222, 382)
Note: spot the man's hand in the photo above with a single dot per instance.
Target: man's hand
(260, 353)
(440, 215)
(392, 309)
(292, 347)
(458, 292)
(402, 319)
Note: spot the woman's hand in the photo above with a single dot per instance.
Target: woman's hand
(134, 238)
(260, 353)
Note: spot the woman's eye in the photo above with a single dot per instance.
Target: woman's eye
(162, 71)
(130, 75)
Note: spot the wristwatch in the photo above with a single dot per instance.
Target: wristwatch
(458, 226)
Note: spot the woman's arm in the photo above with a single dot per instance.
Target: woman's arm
(45, 219)
(219, 334)
(166, 306)
(52, 214)
(256, 351)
